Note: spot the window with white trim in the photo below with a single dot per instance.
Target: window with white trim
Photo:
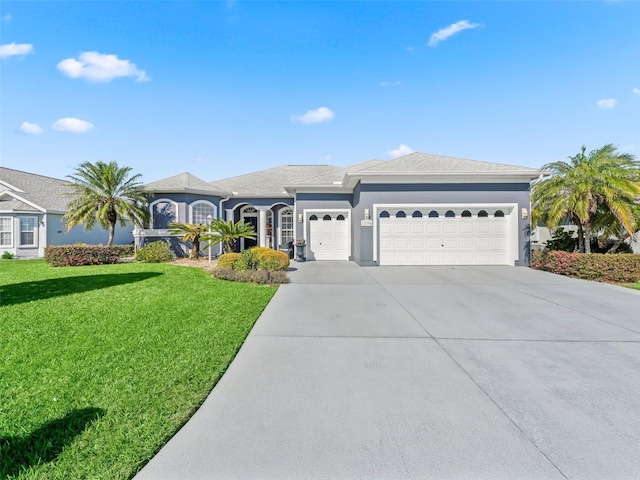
(6, 231)
(27, 231)
(199, 213)
(286, 225)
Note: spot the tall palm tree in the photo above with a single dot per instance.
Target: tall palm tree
(577, 189)
(228, 232)
(105, 193)
(190, 233)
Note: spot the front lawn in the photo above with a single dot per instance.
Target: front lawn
(101, 365)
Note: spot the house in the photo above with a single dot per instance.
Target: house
(418, 209)
(31, 210)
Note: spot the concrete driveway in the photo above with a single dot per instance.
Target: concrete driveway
(424, 373)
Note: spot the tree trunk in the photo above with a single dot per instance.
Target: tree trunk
(587, 238)
(580, 239)
(195, 251)
(112, 230)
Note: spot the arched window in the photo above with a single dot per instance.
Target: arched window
(313, 217)
(466, 213)
(163, 212)
(326, 217)
(417, 214)
(482, 214)
(401, 214)
(340, 217)
(384, 214)
(433, 214)
(450, 214)
(286, 225)
(200, 210)
(499, 213)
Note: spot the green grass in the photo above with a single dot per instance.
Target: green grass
(101, 365)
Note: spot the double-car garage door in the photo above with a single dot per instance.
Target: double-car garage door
(445, 236)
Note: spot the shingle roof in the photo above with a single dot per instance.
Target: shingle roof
(8, 203)
(428, 163)
(338, 174)
(185, 182)
(46, 192)
(271, 182)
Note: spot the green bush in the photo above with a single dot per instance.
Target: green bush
(248, 261)
(228, 260)
(7, 255)
(261, 277)
(271, 260)
(76, 255)
(622, 268)
(563, 240)
(125, 250)
(155, 252)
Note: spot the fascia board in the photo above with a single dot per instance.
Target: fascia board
(440, 177)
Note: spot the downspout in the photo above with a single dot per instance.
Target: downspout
(220, 211)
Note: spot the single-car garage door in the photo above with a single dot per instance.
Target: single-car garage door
(445, 236)
(328, 236)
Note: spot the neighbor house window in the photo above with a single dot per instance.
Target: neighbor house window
(286, 225)
(6, 232)
(200, 211)
(28, 231)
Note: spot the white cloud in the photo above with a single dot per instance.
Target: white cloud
(636, 91)
(444, 33)
(390, 84)
(100, 67)
(70, 124)
(318, 115)
(607, 103)
(7, 17)
(15, 49)
(400, 151)
(30, 128)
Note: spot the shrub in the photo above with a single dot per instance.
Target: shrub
(248, 261)
(228, 260)
(155, 252)
(75, 255)
(254, 276)
(622, 268)
(271, 260)
(562, 240)
(125, 250)
(7, 255)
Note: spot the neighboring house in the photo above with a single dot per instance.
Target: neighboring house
(31, 210)
(419, 209)
(541, 235)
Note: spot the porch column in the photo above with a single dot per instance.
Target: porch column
(262, 227)
(229, 214)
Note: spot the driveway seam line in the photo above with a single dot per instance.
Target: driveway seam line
(491, 399)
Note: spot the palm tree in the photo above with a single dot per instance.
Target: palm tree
(576, 190)
(105, 193)
(228, 232)
(190, 233)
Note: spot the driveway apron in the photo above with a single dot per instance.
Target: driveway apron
(424, 372)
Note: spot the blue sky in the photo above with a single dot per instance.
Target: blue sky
(224, 88)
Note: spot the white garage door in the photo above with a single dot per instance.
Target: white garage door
(471, 236)
(328, 236)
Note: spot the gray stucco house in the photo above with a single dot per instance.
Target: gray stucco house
(419, 209)
(31, 210)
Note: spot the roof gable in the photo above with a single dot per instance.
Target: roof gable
(185, 182)
(45, 192)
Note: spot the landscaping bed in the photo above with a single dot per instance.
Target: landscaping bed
(619, 268)
(103, 364)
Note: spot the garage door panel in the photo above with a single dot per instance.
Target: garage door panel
(328, 237)
(443, 240)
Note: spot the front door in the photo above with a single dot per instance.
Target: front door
(251, 242)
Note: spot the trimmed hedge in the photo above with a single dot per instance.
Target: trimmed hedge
(271, 260)
(76, 255)
(125, 250)
(262, 277)
(619, 268)
(155, 252)
(228, 260)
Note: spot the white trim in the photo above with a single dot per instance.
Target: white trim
(513, 218)
(35, 231)
(293, 224)
(307, 212)
(166, 200)
(23, 200)
(11, 230)
(206, 202)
